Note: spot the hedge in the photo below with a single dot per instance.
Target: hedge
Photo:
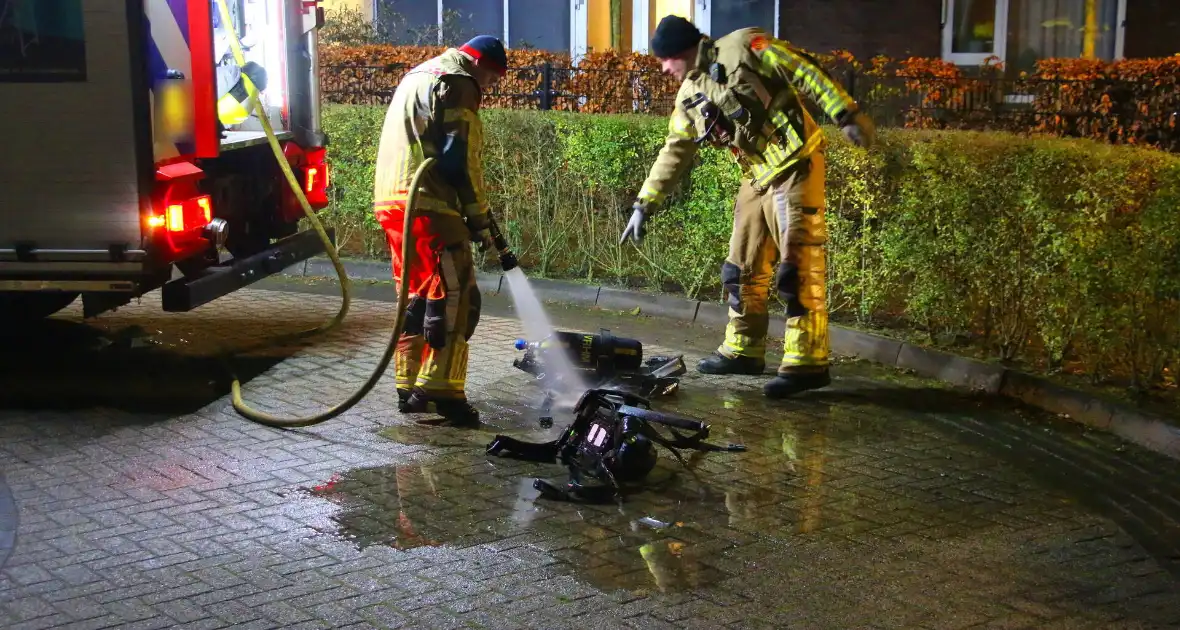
(1060, 253)
(1128, 101)
(607, 81)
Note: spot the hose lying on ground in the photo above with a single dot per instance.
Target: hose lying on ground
(345, 289)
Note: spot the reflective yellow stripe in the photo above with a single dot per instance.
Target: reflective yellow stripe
(650, 195)
(425, 202)
(736, 345)
(806, 340)
(452, 379)
(832, 98)
(763, 177)
(680, 126)
(408, 361)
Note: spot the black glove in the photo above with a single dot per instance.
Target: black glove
(860, 130)
(635, 228)
(483, 238)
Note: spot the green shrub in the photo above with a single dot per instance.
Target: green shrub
(1063, 253)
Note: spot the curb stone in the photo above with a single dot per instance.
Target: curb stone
(569, 292)
(956, 370)
(1143, 429)
(657, 305)
(373, 270)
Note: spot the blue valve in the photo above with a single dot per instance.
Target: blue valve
(520, 344)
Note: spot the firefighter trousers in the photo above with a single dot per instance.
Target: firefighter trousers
(779, 238)
(443, 307)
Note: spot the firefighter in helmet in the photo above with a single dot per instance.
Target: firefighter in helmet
(742, 92)
(434, 113)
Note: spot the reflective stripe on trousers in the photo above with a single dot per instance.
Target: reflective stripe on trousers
(778, 241)
(443, 272)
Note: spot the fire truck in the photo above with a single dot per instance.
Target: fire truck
(120, 176)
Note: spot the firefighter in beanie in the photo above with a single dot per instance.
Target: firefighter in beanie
(742, 92)
(434, 113)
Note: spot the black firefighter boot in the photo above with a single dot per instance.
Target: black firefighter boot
(454, 410)
(717, 363)
(406, 402)
(787, 384)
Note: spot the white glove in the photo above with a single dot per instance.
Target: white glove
(635, 228)
(860, 130)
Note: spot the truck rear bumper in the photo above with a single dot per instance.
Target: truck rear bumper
(186, 294)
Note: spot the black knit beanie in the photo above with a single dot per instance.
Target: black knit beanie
(673, 36)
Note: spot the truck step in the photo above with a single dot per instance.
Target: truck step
(185, 294)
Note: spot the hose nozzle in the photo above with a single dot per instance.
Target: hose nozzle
(508, 260)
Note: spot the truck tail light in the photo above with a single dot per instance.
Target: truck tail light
(315, 174)
(180, 211)
(311, 168)
(187, 214)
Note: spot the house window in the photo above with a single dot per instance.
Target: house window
(727, 16)
(542, 24)
(1019, 32)
(407, 22)
(468, 18)
(715, 18)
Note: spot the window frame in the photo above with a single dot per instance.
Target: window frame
(640, 40)
(701, 17)
(1001, 39)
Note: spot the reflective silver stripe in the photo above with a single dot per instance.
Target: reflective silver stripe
(451, 280)
(780, 211)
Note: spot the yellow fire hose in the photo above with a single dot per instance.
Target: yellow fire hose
(345, 290)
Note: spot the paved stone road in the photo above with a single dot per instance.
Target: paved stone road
(145, 502)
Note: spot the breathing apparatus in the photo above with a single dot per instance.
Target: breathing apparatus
(602, 359)
(611, 442)
(407, 254)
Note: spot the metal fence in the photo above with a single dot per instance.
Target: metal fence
(1116, 111)
(544, 87)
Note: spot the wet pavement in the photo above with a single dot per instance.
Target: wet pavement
(885, 501)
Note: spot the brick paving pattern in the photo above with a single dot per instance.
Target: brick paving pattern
(145, 502)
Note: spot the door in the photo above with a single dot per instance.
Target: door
(77, 151)
(973, 30)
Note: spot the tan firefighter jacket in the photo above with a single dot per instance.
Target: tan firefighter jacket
(436, 103)
(754, 82)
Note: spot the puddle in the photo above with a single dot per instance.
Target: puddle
(801, 476)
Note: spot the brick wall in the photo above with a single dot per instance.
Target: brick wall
(1152, 27)
(897, 28)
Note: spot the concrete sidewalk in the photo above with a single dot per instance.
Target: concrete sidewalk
(884, 501)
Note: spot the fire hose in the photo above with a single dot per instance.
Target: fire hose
(345, 289)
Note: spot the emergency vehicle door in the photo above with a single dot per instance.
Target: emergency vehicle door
(76, 151)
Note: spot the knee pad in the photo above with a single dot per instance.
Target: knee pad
(415, 316)
(475, 302)
(787, 284)
(731, 276)
(435, 327)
